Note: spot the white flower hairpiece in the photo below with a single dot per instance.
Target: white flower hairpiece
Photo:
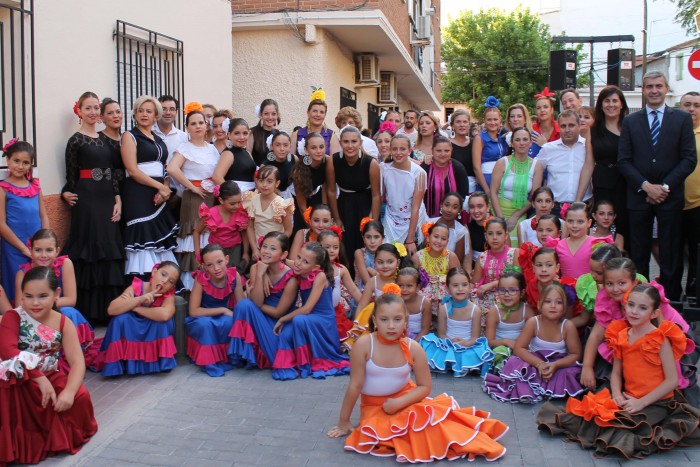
(508, 137)
(301, 147)
(225, 124)
(268, 141)
(382, 116)
(257, 111)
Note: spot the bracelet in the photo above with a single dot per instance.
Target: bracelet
(409, 243)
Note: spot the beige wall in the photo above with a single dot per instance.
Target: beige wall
(75, 52)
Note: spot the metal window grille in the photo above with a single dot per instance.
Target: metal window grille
(17, 81)
(148, 63)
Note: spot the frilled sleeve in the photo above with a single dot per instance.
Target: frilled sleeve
(14, 361)
(72, 167)
(282, 208)
(606, 309)
(239, 219)
(247, 201)
(615, 336)
(586, 291)
(597, 241)
(205, 215)
(217, 292)
(652, 342)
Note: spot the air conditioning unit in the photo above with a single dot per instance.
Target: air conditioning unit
(387, 92)
(423, 27)
(367, 69)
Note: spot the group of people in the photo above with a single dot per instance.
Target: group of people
(415, 248)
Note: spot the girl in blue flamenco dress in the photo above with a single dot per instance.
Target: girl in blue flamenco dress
(215, 292)
(272, 291)
(308, 336)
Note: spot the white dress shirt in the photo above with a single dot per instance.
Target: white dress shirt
(563, 165)
(173, 140)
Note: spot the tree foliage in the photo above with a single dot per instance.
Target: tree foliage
(494, 53)
(686, 13)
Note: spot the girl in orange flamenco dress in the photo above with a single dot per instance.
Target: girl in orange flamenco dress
(397, 418)
(642, 413)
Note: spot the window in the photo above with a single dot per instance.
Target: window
(17, 99)
(147, 63)
(680, 65)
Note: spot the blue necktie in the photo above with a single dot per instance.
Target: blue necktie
(655, 127)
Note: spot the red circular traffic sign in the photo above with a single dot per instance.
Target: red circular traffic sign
(694, 64)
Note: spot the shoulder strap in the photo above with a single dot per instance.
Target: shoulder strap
(537, 326)
(63, 322)
(420, 307)
(561, 330)
(371, 345)
(524, 307)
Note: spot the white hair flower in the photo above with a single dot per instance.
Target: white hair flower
(225, 124)
(257, 111)
(268, 141)
(301, 147)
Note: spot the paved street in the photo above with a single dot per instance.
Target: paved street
(186, 418)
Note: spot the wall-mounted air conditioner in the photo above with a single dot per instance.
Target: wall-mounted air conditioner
(367, 69)
(387, 92)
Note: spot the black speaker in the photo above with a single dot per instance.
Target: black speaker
(562, 69)
(621, 68)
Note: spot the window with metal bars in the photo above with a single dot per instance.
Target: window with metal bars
(148, 63)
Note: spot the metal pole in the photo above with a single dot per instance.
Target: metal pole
(591, 100)
(644, 48)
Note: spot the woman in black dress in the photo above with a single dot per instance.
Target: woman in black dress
(95, 243)
(444, 176)
(608, 183)
(462, 144)
(269, 115)
(356, 175)
(309, 177)
(150, 228)
(235, 162)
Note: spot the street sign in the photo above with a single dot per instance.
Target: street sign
(694, 64)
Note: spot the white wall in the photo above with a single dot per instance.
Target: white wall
(75, 52)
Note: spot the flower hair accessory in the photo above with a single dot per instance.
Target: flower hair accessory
(337, 230)
(255, 174)
(318, 93)
(364, 222)
(260, 241)
(401, 248)
(564, 208)
(388, 126)
(301, 147)
(217, 191)
(199, 257)
(268, 141)
(9, 144)
(533, 223)
(424, 278)
(486, 221)
(425, 229)
(307, 215)
(392, 289)
(545, 94)
(192, 106)
(492, 102)
(257, 111)
(382, 116)
(225, 125)
(76, 108)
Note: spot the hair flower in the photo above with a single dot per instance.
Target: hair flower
(486, 221)
(318, 93)
(392, 289)
(9, 144)
(217, 191)
(388, 126)
(533, 223)
(301, 147)
(401, 248)
(492, 102)
(257, 110)
(546, 93)
(364, 222)
(337, 230)
(260, 241)
(424, 278)
(225, 125)
(76, 108)
(425, 229)
(563, 209)
(268, 141)
(192, 106)
(307, 215)
(255, 174)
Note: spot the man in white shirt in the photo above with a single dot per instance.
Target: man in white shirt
(564, 159)
(410, 120)
(165, 128)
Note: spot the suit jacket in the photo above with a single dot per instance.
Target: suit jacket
(670, 162)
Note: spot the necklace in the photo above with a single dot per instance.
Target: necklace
(435, 266)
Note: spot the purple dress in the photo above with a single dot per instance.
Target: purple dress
(520, 382)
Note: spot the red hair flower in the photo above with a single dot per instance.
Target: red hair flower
(533, 223)
(392, 289)
(364, 222)
(426, 228)
(338, 231)
(260, 241)
(9, 144)
(545, 94)
(307, 215)
(255, 174)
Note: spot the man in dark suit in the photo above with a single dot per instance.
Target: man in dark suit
(655, 155)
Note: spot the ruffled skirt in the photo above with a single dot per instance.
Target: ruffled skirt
(86, 338)
(136, 345)
(659, 427)
(520, 382)
(360, 326)
(432, 429)
(444, 355)
(253, 344)
(208, 342)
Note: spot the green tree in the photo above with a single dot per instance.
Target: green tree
(685, 16)
(494, 53)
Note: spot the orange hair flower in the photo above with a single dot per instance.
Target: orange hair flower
(392, 288)
(364, 222)
(307, 215)
(426, 227)
(337, 230)
(486, 221)
(192, 106)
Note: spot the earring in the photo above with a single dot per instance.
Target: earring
(452, 134)
(271, 156)
(459, 216)
(441, 211)
(229, 144)
(307, 160)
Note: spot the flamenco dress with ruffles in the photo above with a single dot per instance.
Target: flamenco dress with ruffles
(436, 270)
(505, 330)
(519, 381)
(492, 266)
(23, 218)
(30, 433)
(596, 422)
(86, 334)
(253, 344)
(431, 429)
(341, 305)
(446, 355)
(208, 336)
(576, 264)
(607, 310)
(229, 235)
(309, 343)
(134, 344)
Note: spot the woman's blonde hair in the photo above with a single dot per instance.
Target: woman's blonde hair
(145, 99)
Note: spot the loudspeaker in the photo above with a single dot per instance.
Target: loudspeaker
(621, 68)
(562, 69)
